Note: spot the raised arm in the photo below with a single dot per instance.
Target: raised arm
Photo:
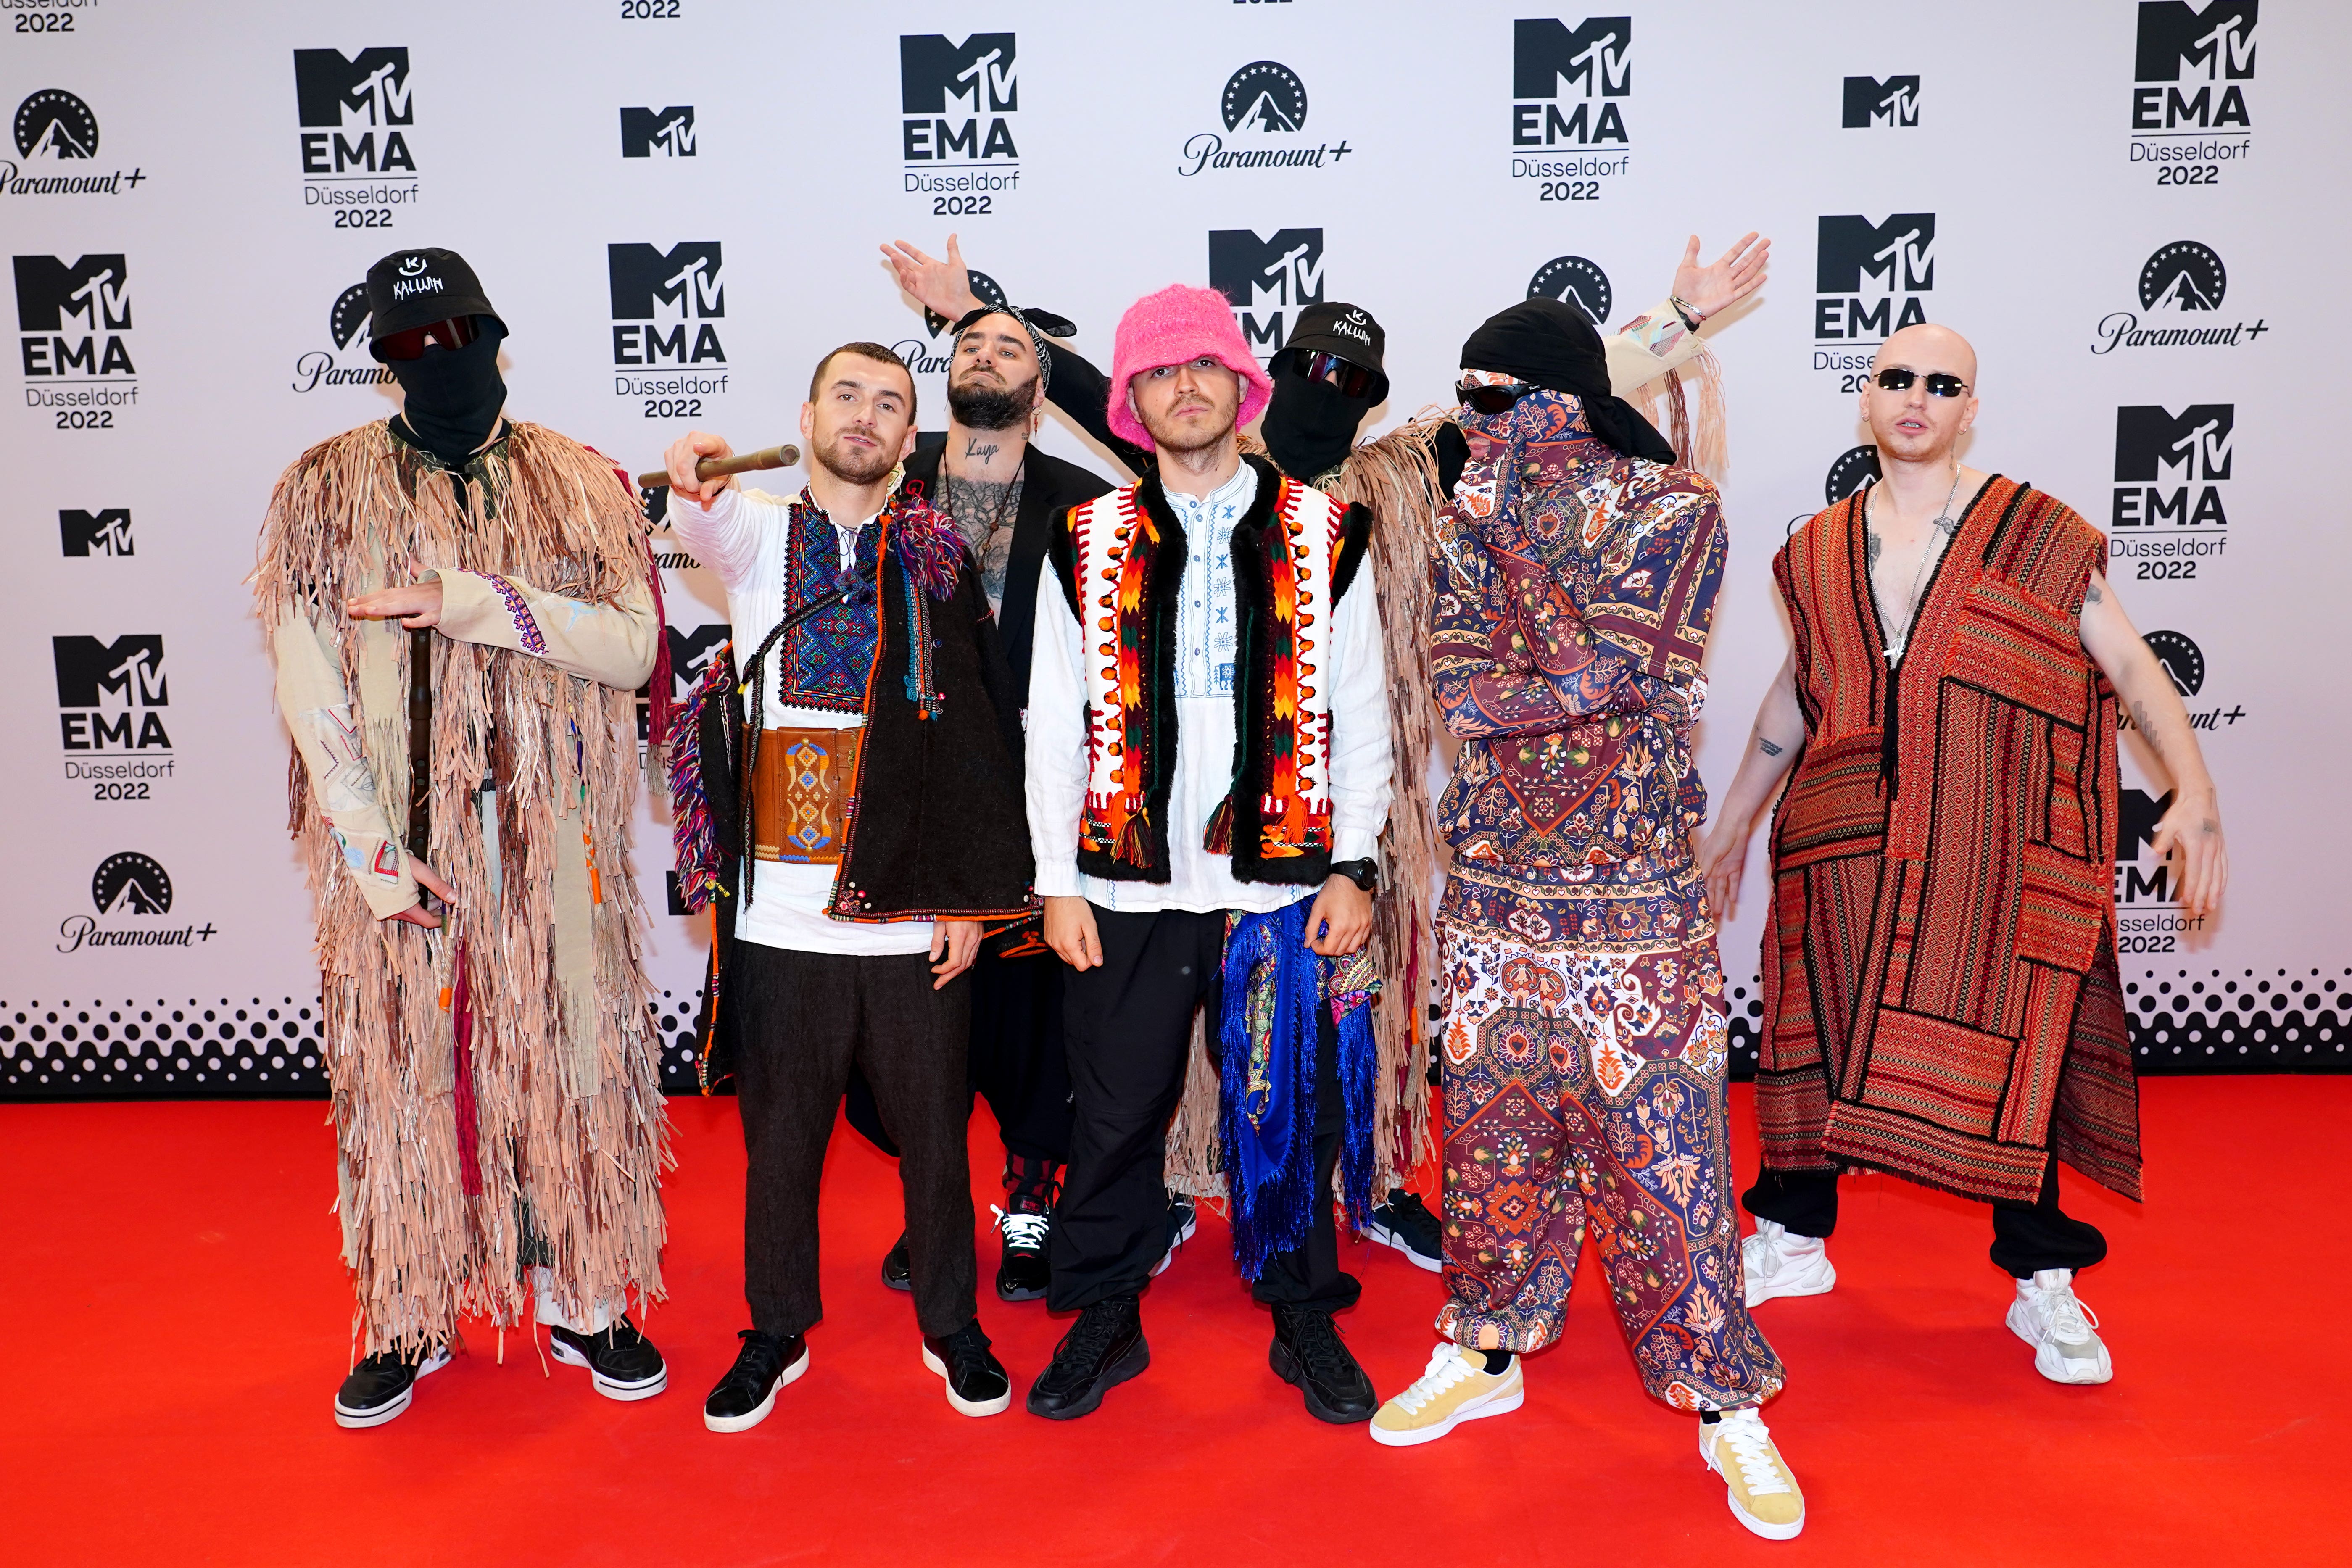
(1665, 336)
(2190, 831)
(1773, 745)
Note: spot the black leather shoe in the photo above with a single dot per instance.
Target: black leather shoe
(621, 1363)
(745, 1396)
(380, 1387)
(896, 1272)
(1405, 1223)
(1308, 1351)
(1103, 1348)
(977, 1385)
(1023, 1274)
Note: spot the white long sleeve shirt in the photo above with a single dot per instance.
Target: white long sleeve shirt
(1207, 606)
(743, 537)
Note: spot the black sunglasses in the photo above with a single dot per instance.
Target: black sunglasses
(455, 333)
(1499, 399)
(1940, 382)
(1352, 379)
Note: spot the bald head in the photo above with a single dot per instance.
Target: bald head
(1922, 418)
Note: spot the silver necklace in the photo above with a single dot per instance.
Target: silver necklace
(1945, 525)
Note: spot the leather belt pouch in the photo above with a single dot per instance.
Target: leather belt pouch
(801, 790)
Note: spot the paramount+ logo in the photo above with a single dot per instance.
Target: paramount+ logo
(2181, 288)
(1263, 107)
(131, 892)
(1574, 281)
(959, 104)
(348, 361)
(56, 136)
(1266, 281)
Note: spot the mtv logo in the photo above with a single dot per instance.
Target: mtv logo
(980, 73)
(92, 288)
(2215, 43)
(1266, 274)
(690, 654)
(669, 131)
(2151, 445)
(371, 89)
(1870, 101)
(1592, 56)
(125, 673)
(107, 533)
(680, 284)
(2137, 814)
(1897, 255)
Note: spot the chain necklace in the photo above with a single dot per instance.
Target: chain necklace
(1945, 526)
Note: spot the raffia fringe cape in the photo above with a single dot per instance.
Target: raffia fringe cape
(570, 1131)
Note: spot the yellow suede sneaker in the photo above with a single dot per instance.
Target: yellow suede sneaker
(1456, 1387)
(1764, 1495)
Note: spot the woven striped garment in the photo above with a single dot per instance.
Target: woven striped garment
(1940, 992)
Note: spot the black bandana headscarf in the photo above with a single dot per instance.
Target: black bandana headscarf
(452, 396)
(1549, 343)
(1044, 321)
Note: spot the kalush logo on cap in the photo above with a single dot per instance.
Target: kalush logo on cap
(415, 279)
(1351, 324)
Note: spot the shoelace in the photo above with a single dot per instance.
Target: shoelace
(1089, 1336)
(1022, 1228)
(760, 1359)
(1319, 1345)
(2070, 1323)
(1744, 1432)
(1447, 1366)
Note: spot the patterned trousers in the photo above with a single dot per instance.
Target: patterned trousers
(1587, 1087)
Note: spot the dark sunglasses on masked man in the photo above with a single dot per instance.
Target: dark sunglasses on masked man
(454, 333)
(1352, 379)
(1497, 399)
(1940, 382)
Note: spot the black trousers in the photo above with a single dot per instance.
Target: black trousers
(803, 1019)
(2026, 1237)
(1018, 1062)
(1129, 1025)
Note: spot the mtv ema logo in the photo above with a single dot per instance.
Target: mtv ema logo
(56, 136)
(2182, 282)
(1868, 283)
(347, 329)
(1264, 111)
(957, 104)
(665, 309)
(1870, 101)
(1568, 88)
(106, 533)
(357, 114)
(73, 322)
(2162, 459)
(1266, 281)
(131, 888)
(2138, 815)
(109, 694)
(2210, 46)
(1573, 280)
(668, 132)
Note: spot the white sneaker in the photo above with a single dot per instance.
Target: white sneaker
(1763, 1493)
(1775, 1262)
(2062, 1331)
(1455, 1387)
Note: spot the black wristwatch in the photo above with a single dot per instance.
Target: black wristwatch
(1365, 874)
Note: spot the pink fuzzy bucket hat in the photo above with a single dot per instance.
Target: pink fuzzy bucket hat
(1176, 324)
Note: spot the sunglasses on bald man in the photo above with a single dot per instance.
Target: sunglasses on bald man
(1940, 382)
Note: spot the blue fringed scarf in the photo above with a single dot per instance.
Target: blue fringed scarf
(1274, 986)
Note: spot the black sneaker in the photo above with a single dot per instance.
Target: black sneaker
(748, 1391)
(1405, 1223)
(1023, 1274)
(977, 1385)
(380, 1387)
(1184, 1219)
(1103, 1348)
(1309, 1352)
(621, 1363)
(896, 1272)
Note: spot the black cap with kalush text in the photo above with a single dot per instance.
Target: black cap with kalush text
(415, 287)
(1348, 331)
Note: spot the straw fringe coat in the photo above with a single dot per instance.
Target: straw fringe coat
(493, 1084)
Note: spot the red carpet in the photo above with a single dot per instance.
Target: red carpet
(176, 1322)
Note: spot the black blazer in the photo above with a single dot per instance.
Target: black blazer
(1049, 487)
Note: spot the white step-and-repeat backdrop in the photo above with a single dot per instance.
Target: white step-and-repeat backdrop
(2135, 210)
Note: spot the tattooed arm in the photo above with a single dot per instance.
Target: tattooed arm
(1772, 749)
(2192, 827)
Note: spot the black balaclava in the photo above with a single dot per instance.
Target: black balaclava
(452, 396)
(1310, 426)
(1547, 344)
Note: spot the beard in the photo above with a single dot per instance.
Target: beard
(1173, 438)
(980, 405)
(852, 465)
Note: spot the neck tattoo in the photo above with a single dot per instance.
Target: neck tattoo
(973, 448)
